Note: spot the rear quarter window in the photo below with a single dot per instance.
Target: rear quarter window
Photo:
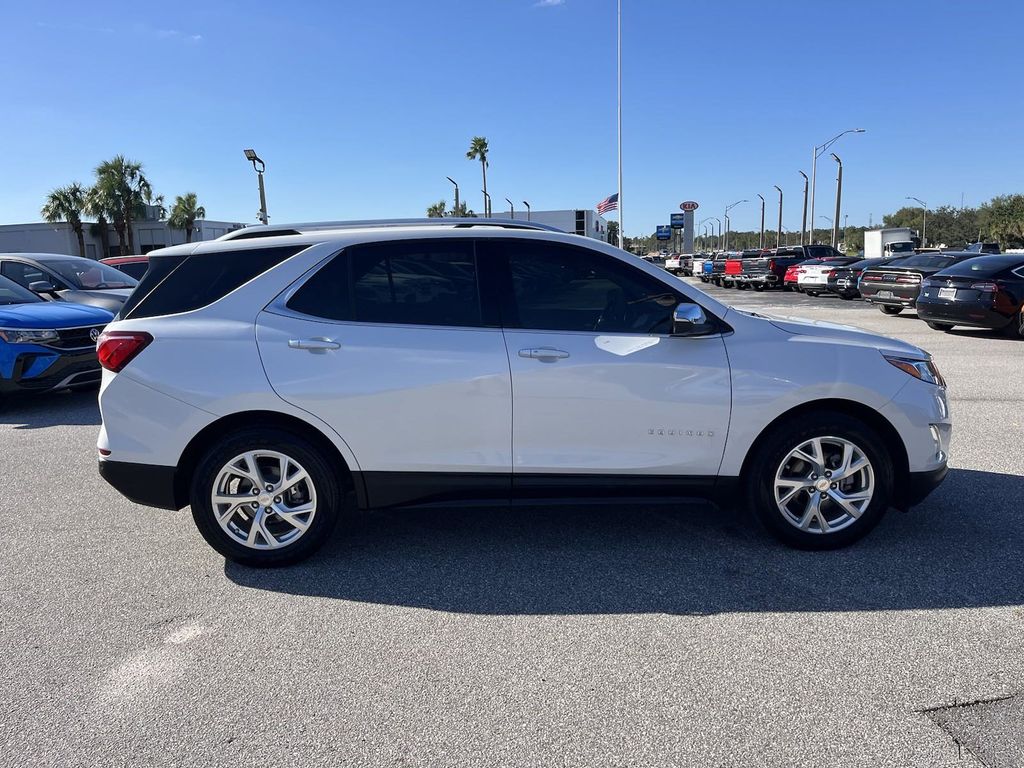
(175, 284)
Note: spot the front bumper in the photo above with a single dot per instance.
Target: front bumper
(39, 369)
(921, 484)
(148, 484)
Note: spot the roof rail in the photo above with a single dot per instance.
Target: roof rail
(281, 230)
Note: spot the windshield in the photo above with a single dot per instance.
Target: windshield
(12, 293)
(89, 275)
(901, 247)
(982, 266)
(929, 261)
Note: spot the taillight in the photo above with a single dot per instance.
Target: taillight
(870, 278)
(771, 265)
(986, 287)
(908, 279)
(115, 349)
(831, 273)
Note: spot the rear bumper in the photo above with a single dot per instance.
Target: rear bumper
(896, 300)
(962, 313)
(148, 484)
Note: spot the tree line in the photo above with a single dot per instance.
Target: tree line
(1000, 220)
(117, 197)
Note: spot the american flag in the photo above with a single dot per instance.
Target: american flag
(610, 203)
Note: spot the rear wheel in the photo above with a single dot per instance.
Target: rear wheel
(1015, 328)
(939, 326)
(265, 498)
(758, 287)
(820, 482)
(811, 293)
(890, 310)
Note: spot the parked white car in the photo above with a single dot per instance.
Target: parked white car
(277, 376)
(673, 263)
(812, 279)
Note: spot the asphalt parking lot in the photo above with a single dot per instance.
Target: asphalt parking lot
(547, 636)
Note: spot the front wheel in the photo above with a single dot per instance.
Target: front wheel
(265, 498)
(890, 310)
(939, 326)
(821, 482)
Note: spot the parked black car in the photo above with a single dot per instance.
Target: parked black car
(71, 278)
(992, 248)
(843, 280)
(896, 287)
(983, 292)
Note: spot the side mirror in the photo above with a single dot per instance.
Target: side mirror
(41, 286)
(688, 320)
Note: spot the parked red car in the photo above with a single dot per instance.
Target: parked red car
(135, 266)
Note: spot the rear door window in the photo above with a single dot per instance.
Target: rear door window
(423, 282)
(25, 274)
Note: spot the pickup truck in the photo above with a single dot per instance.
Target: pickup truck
(714, 268)
(769, 270)
(733, 275)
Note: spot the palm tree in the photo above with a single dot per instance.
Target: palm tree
(438, 209)
(462, 211)
(184, 212)
(68, 204)
(478, 150)
(122, 180)
(102, 202)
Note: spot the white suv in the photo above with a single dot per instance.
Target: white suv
(281, 376)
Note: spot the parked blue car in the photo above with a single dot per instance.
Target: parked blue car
(47, 345)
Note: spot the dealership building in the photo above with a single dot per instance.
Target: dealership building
(574, 221)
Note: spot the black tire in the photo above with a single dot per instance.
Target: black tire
(324, 479)
(1015, 328)
(890, 310)
(787, 288)
(774, 447)
(758, 288)
(939, 326)
(813, 294)
(848, 296)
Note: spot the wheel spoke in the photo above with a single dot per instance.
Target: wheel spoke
(234, 499)
(850, 469)
(293, 515)
(292, 481)
(255, 527)
(849, 501)
(810, 512)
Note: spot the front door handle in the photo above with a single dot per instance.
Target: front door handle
(318, 344)
(546, 354)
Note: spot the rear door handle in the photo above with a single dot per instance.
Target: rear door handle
(547, 354)
(316, 344)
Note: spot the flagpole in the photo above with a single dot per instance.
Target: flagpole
(621, 227)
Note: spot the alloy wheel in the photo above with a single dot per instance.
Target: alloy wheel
(824, 485)
(264, 499)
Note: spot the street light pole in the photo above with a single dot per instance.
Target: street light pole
(456, 212)
(760, 239)
(803, 221)
(727, 209)
(487, 203)
(815, 154)
(622, 227)
(778, 232)
(253, 158)
(527, 210)
(720, 232)
(839, 197)
(924, 220)
(512, 208)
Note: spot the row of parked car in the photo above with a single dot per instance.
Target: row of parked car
(52, 310)
(971, 287)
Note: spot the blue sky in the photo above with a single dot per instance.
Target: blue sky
(360, 109)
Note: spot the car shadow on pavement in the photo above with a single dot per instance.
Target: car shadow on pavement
(51, 410)
(961, 548)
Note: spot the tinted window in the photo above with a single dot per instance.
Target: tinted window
(982, 267)
(24, 274)
(134, 269)
(182, 283)
(430, 282)
(562, 288)
(12, 293)
(821, 251)
(929, 261)
(90, 275)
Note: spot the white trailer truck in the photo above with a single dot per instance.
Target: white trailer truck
(888, 242)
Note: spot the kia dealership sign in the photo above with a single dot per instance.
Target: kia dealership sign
(689, 205)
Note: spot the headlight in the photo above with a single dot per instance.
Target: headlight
(925, 370)
(21, 336)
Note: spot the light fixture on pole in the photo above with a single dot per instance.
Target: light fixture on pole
(701, 223)
(259, 166)
(839, 197)
(719, 243)
(924, 220)
(727, 209)
(760, 239)
(803, 221)
(527, 210)
(511, 208)
(818, 151)
(778, 233)
(457, 210)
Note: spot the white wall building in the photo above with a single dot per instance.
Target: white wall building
(574, 221)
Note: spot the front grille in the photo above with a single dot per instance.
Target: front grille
(75, 338)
